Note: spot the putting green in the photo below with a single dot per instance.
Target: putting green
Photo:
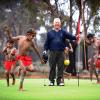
(35, 90)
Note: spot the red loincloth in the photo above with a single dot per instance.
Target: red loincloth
(98, 63)
(8, 64)
(26, 60)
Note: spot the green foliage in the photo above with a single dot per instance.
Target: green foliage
(36, 8)
(94, 5)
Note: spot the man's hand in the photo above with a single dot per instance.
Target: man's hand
(66, 50)
(78, 37)
(45, 57)
(42, 61)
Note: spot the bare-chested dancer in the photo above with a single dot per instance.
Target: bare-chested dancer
(24, 44)
(9, 52)
(92, 40)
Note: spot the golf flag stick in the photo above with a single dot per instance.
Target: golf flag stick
(78, 40)
(78, 63)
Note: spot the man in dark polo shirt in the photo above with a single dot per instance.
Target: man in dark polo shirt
(55, 43)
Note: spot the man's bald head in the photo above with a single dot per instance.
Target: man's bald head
(57, 23)
(56, 20)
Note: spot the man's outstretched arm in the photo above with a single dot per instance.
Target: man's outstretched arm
(9, 34)
(37, 51)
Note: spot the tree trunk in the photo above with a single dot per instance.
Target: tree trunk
(85, 51)
(70, 22)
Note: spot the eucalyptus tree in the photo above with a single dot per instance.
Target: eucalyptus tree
(91, 10)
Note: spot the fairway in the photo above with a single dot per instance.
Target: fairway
(35, 90)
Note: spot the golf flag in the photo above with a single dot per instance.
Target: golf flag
(78, 29)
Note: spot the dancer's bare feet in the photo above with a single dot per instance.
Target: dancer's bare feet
(98, 82)
(13, 83)
(21, 89)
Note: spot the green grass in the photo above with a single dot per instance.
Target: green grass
(35, 90)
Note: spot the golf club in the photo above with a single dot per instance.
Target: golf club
(44, 76)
